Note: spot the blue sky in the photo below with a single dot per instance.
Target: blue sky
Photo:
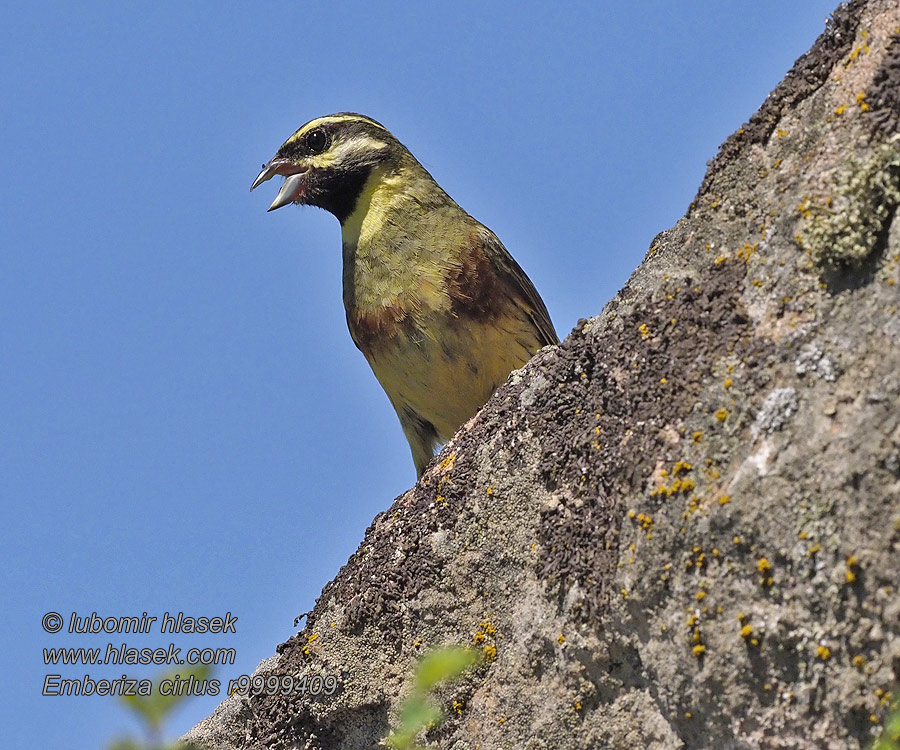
(187, 425)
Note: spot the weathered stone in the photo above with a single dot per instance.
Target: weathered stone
(683, 523)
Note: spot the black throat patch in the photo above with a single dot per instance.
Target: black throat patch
(338, 191)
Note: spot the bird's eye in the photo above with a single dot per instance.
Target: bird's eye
(316, 141)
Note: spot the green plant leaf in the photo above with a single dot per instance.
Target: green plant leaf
(443, 664)
(154, 708)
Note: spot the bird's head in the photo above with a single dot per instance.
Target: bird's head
(328, 161)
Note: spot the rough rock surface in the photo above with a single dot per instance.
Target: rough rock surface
(681, 527)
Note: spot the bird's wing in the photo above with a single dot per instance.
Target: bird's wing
(518, 287)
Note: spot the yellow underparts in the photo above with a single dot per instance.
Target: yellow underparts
(430, 355)
(449, 375)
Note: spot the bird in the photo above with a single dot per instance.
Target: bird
(434, 301)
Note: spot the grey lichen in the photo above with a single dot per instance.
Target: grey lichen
(844, 228)
(813, 360)
(776, 410)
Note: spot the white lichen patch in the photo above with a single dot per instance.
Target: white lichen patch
(776, 410)
(532, 390)
(812, 360)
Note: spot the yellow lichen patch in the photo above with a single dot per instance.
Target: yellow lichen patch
(724, 500)
(746, 631)
(781, 133)
(561, 639)
(683, 486)
(722, 414)
(448, 462)
(840, 110)
(694, 504)
(679, 484)
(698, 560)
(698, 650)
(823, 652)
(857, 51)
(697, 437)
(644, 330)
(485, 630)
(727, 383)
(814, 549)
(720, 260)
(490, 652)
(501, 720)
(861, 101)
(747, 250)
(458, 707)
(852, 566)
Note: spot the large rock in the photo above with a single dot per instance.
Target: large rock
(681, 527)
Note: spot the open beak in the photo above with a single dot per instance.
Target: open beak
(293, 185)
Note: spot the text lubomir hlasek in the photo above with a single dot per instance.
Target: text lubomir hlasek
(171, 623)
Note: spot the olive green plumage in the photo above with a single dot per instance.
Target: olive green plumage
(434, 301)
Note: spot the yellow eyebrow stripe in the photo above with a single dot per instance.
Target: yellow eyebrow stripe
(358, 146)
(327, 119)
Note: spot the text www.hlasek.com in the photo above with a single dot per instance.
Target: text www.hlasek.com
(124, 654)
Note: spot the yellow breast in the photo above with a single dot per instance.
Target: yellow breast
(448, 370)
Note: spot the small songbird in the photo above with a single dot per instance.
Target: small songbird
(434, 301)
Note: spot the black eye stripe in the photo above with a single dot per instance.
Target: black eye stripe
(316, 141)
